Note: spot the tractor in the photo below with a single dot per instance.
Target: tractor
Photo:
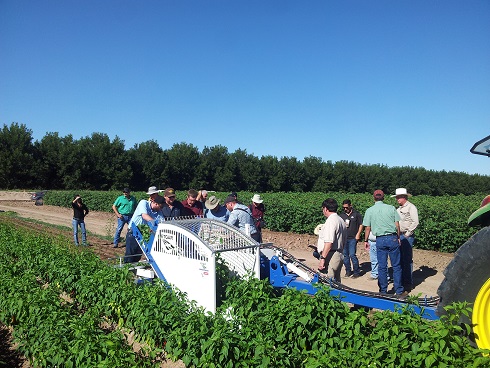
(467, 277)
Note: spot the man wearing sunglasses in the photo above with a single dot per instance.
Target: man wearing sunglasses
(353, 223)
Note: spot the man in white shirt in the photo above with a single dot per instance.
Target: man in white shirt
(332, 237)
(409, 220)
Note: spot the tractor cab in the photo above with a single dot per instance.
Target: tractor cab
(482, 147)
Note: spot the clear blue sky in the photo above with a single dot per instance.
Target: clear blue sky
(398, 83)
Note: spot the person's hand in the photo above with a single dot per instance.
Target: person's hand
(366, 245)
(321, 265)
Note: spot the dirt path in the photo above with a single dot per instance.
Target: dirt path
(428, 265)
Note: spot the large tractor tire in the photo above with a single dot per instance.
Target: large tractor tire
(467, 278)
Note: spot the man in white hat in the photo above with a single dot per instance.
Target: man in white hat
(258, 209)
(153, 192)
(409, 220)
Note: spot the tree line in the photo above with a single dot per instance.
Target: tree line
(96, 163)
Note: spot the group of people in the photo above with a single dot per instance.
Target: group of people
(389, 232)
(157, 208)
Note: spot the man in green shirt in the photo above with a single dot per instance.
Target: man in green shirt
(123, 207)
(382, 220)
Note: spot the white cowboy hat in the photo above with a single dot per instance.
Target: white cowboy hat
(318, 228)
(401, 191)
(257, 199)
(153, 190)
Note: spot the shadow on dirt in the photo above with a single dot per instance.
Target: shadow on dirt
(8, 356)
(420, 275)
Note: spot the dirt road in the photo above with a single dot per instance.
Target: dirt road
(428, 265)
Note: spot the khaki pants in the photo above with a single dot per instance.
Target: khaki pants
(335, 261)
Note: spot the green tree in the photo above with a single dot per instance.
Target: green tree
(276, 176)
(211, 164)
(49, 158)
(16, 157)
(149, 165)
(183, 161)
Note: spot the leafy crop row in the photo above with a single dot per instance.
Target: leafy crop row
(443, 220)
(68, 307)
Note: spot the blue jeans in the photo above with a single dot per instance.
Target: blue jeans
(133, 250)
(374, 259)
(407, 260)
(120, 225)
(349, 252)
(75, 223)
(388, 246)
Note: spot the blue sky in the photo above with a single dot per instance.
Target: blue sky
(398, 83)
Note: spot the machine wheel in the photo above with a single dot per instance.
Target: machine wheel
(467, 278)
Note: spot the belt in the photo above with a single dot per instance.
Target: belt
(126, 214)
(379, 236)
(74, 218)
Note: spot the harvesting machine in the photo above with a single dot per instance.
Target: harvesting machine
(186, 252)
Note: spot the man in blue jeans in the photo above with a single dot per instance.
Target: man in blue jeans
(409, 220)
(80, 210)
(353, 223)
(382, 220)
(123, 207)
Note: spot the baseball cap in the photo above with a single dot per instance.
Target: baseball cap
(229, 199)
(169, 192)
(378, 193)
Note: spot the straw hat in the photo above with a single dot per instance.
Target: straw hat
(211, 202)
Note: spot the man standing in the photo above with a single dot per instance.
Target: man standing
(257, 208)
(123, 207)
(192, 206)
(382, 221)
(353, 223)
(172, 208)
(241, 216)
(80, 210)
(147, 212)
(332, 238)
(409, 220)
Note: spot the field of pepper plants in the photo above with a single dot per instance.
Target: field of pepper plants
(68, 308)
(443, 220)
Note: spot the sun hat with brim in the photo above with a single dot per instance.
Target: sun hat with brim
(401, 192)
(482, 215)
(257, 198)
(152, 190)
(318, 228)
(211, 203)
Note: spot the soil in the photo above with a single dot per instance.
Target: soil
(428, 265)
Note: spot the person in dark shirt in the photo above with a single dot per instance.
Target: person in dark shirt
(353, 223)
(171, 207)
(258, 209)
(80, 210)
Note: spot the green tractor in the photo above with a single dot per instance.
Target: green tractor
(467, 277)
